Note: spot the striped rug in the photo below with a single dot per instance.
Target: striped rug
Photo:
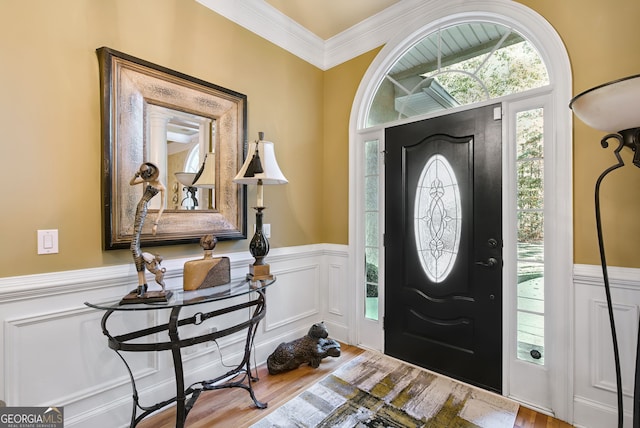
(374, 390)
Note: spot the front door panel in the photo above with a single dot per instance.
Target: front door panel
(443, 239)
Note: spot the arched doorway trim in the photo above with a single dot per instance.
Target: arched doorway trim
(431, 16)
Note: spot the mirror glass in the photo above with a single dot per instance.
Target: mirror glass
(194, 131)
(179, 144)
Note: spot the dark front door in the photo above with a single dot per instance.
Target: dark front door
(443, 245)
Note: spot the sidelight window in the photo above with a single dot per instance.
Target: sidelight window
(530, 234)
(372, 213)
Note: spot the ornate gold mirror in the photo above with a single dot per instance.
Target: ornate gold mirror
(189, 128)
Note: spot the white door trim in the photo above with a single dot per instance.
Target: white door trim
(559, 297)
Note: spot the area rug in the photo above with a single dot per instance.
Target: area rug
(374, 390)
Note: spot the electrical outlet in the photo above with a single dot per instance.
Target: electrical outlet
(189, 350)
(211, 343)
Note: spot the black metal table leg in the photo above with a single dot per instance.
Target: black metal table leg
(176, 353)
(240, 376)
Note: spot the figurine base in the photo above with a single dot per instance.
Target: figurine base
(148, 297)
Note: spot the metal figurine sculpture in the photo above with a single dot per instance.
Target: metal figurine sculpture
(148, 176)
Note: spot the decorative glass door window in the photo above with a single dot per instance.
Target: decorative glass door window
(437, 218)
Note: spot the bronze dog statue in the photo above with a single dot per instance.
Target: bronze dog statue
(310, 349)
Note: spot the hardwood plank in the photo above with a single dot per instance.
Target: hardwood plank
(234, 408)
(528, 418)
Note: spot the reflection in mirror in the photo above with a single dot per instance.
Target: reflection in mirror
(179, 142)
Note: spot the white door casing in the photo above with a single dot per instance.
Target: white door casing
(554, 395)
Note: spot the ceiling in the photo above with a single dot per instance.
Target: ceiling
(327, 18)
(324, 33)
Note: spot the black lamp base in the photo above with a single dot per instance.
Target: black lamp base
(259, 248)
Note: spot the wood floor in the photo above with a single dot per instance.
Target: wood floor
(234, 408)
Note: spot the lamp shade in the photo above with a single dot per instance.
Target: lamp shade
(611, 107)
(206, 177)
(270, 174)
(185, 178)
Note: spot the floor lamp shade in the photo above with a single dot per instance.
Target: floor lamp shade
(611, 107)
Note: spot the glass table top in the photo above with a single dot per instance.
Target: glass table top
(181, 298)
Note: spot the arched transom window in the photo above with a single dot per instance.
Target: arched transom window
(457, 65)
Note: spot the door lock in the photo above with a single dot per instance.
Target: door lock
(490, 263)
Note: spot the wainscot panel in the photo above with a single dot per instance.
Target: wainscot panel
(595, 402)
(45, 315)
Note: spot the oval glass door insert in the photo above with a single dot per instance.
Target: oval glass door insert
(437, 218)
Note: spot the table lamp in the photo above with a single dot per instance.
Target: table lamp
(205, 178)
(186, 179)
(260, 168)
(614, 107)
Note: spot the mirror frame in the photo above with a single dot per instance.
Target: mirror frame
(128, 86)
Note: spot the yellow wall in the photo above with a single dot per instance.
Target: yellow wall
(50, 121)
(602, 44)
(341, 84)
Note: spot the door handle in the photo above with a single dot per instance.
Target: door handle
(490, 263)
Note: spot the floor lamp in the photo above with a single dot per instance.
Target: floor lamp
(614, 107)
(260, 168)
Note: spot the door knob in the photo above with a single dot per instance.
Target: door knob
(490, 263)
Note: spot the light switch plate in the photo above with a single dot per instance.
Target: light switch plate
(266, 229)
(48, 241)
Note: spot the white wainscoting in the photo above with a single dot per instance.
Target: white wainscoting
(54, 352)
(595, 402)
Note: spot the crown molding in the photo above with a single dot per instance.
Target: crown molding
(371, 33)
(269, 23)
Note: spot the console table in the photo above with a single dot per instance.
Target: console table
(238, 377)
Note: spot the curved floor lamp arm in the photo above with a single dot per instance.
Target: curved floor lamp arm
(605, 273)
